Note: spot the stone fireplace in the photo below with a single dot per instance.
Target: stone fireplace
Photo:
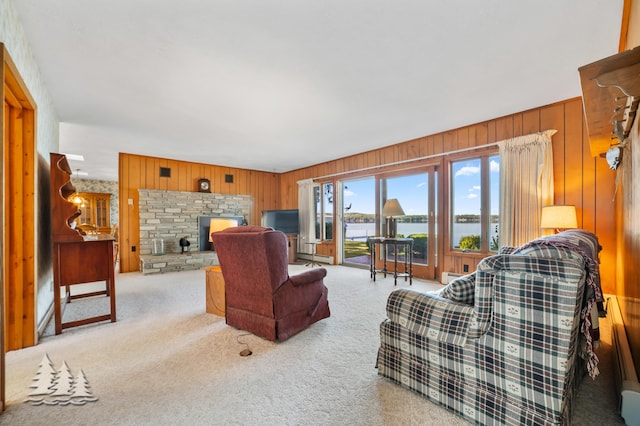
(172, 215)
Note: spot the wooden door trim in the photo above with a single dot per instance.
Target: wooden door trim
(17, 237)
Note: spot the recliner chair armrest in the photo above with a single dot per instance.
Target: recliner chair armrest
(431, 315)
(307, 277)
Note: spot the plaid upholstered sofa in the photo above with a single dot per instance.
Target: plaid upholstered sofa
(507, 344)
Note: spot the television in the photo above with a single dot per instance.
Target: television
(281, 220)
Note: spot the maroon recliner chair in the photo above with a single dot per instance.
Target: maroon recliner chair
(261, 297)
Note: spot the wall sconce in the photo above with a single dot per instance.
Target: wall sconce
(220, 224)
(559, 218)
(390, 211)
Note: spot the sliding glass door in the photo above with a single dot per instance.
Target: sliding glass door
(415, 193)
(362, 204)
(358, 219)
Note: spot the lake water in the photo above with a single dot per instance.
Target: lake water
(361, 231)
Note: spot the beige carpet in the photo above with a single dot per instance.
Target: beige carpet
(167, 362)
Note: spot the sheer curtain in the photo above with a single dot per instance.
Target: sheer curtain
(526, 184)
(306, 212)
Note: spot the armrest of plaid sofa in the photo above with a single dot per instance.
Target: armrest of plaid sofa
(431, 315)
(520, 268)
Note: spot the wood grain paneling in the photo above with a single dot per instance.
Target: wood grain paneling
(18, 282)
(143, 172)
(628, 233)
(628, 206)
(579, 179)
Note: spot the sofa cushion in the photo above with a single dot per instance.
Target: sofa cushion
(461, 289)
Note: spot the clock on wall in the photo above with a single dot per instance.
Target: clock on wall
(204, 185)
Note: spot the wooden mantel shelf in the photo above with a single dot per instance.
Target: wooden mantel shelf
(610, 96)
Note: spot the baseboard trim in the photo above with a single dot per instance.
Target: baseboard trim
(447, 277)
(320, 258)
(625, 373)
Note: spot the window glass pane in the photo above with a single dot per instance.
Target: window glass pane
(466, 201)
(327, 210)
(317, 203)
(494, 202)
(412, 192)
(359, 213)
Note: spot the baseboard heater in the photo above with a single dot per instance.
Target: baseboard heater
(447, 277)
(624, 369)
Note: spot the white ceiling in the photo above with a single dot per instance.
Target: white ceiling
(277, 85)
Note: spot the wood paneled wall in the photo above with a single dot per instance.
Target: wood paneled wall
(579, 179)
(628, 211)
(142, 172)
(628, 228)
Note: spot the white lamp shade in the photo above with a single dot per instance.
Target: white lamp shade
(558, 217)
(219, 224)
(392, 208)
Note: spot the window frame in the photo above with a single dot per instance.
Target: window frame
(484, 156)
(320, 215)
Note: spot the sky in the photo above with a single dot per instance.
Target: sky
(411, 191)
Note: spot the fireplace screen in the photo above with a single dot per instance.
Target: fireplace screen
(219, 223)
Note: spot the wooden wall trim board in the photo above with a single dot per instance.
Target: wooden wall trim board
(18, 252)
(624, 25)
(3, 118)
(17, 237)
(142, 172)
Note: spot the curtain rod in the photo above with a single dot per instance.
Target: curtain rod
(411, 160)
(549, 132)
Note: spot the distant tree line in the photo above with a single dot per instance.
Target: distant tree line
(473, 218)
(359, 218)
(371, 218)
(417, 218)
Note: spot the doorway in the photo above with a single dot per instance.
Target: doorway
(416, 194)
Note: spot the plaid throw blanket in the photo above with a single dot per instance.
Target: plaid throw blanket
(587, 245)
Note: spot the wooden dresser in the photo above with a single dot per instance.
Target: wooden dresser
(77, 258)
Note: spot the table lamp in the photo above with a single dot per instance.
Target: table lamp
(559, 218)
(390, 211)
(220, 224)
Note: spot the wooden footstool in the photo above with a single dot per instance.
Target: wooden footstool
(215, 291)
